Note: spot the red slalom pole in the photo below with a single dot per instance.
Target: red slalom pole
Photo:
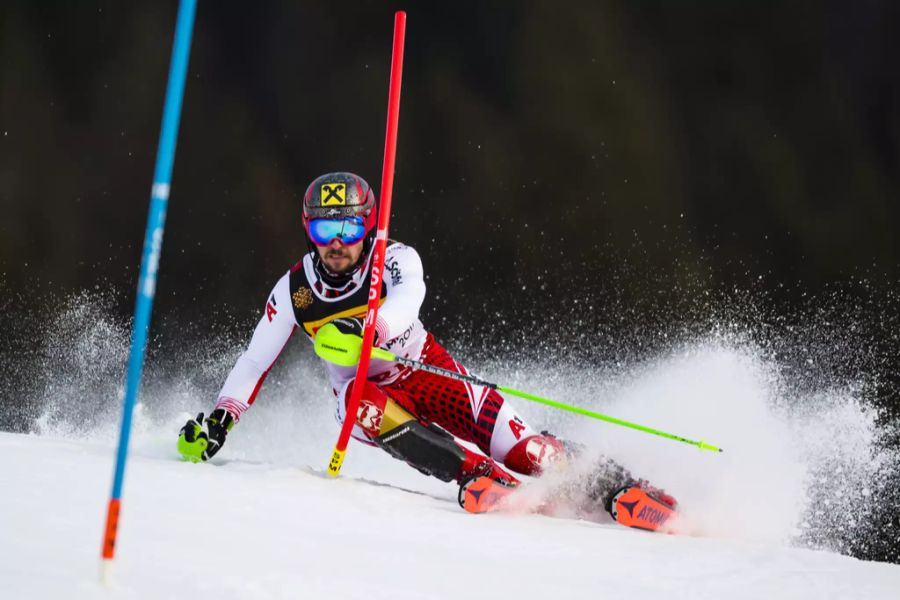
(384, 217)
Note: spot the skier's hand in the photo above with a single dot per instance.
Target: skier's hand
(195, 444)
(352, 326)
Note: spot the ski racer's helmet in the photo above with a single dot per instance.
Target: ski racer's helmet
(339, 205)
(339, 195)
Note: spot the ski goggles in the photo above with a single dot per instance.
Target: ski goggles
(348, 230)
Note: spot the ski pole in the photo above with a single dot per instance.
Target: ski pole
(146, 289)
(343, 349)
(384, 216)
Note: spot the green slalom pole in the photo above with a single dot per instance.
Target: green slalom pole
(344, 349)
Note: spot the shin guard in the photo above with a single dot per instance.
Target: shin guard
(426, 448)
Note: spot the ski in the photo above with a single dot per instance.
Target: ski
(482, 494)
(630, 506)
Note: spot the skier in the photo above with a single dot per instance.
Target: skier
(412, 414)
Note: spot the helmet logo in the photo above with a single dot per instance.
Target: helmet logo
(333, 194)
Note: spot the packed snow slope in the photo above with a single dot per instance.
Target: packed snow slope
(808, 476)
(242, 529)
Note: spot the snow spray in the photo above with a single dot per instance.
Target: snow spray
(812, 459)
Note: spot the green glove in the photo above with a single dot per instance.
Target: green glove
(195, 444)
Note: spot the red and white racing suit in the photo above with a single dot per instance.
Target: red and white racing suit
(304, 299)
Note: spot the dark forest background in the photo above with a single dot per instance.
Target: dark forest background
(609, 173)
(735, 140)
(626, 155)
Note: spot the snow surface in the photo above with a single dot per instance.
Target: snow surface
(245, 529)
(260, 521)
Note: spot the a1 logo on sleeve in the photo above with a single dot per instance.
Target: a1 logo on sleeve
(271, 311)
(517, 427)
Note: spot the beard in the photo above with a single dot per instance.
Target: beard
(339, 260)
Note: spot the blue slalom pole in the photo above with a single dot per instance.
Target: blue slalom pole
(146, 289)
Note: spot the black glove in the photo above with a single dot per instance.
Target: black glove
(197, 445)
(353, 326)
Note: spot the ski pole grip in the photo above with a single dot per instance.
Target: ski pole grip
(338, 348)
(343, 349)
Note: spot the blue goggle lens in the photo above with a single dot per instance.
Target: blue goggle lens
(348, 230)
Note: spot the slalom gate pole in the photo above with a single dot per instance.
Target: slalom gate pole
(384, 216)
(153, 238)
(340, 348)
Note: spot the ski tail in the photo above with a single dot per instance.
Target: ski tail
(634, 507)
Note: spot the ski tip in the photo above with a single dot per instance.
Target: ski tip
(481, 494)
(633, 507)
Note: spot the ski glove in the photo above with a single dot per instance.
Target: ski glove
(195, 444)
(353, 326)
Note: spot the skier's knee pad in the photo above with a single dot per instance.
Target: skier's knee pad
(376, 414)
(534, 454)
(370, 412)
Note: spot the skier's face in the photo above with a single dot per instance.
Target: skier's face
(338, 257)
